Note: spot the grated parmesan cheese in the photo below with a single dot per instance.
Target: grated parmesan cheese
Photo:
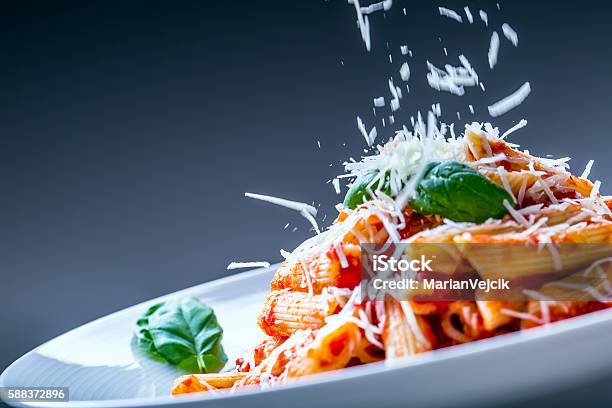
(307, 211)
(256, 264)
(336, 184)
(493, 49)
(484, 17)
(374, 7)
(510, 102)
(514, 128)
(468, 14)
(363, 23)
(510, 34)
(405, 72)
(518, 217)
(450, 14)
(293, 205)
(587, 170)
(504, 178)
(452, 79)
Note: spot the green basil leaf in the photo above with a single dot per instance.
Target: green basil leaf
(184, 333)
(458, 192)
(358, 193)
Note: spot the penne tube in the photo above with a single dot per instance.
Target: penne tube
(324, 271)
(522, 263)
(492, 312)
(265, 348)
(544, 312)
(579, 184)
(404, 333)
(462, 322)
(205, 382)
(286, 312)
(366, 352)
(515, 179)
(577, 294)
(332, 348)
(428, 308)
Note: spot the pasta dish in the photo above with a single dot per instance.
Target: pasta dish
(426, 186)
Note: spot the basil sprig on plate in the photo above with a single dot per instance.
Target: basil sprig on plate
(184, 333)
(450, 189)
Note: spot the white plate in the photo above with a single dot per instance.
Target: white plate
(102, 368)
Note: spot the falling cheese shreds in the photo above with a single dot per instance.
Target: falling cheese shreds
(436, 109)
(587, 170)
(372, 136)
(336, 184)
(493, 49)
(363, 23)
(363, 130)
(311, 220)
(379, 102)
(452, 79)
(468, 14)
(510, 34)
(511, 101)
(293, 205)
(256, 264)
(393, 89)
(405, 72)
(514, 128)
(450, 14)
(374, 7)
(484, 17)
(395, 105)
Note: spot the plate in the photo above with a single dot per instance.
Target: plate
(102, 367)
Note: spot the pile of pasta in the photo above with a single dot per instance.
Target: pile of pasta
(314, 319)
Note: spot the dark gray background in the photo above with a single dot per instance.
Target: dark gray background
(129, 132)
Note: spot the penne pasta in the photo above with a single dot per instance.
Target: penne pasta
(405, 334)
(492, 313)
(286, 312)
(324, 271)
(542, 226)
(463, 322)
(205, 382)
(332, 348)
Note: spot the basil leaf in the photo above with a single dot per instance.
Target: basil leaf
(358, 193)
(458, 192)
(184, 333)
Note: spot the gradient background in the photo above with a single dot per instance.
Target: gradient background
(129, 132)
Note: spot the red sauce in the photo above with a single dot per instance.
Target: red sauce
(350, 276)
(337, 345)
